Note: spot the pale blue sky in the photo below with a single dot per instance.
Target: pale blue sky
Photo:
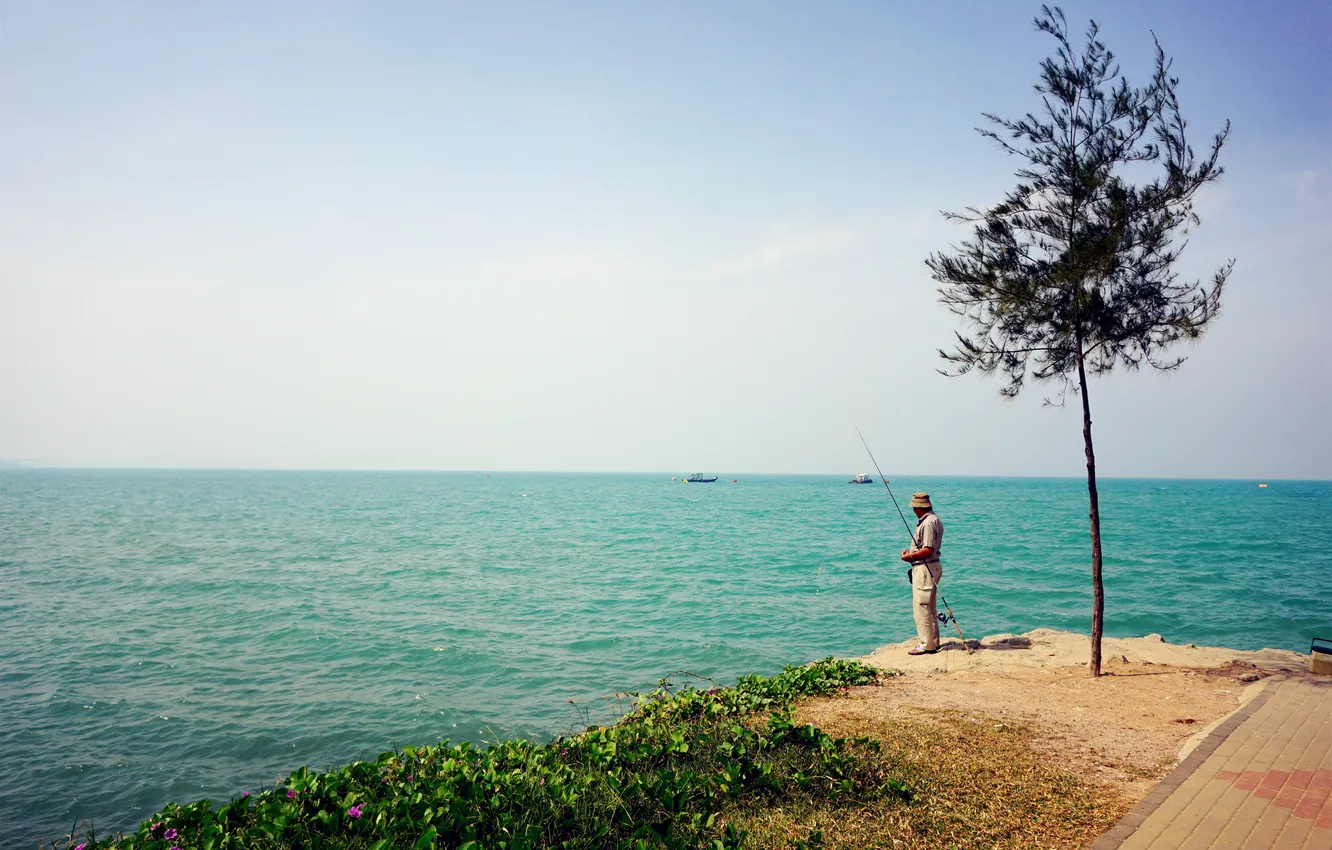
(612, 236)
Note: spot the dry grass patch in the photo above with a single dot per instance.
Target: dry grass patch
(977, 783)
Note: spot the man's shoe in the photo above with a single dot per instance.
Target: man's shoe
(920, 650)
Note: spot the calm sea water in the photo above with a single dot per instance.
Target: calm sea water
(177, 635)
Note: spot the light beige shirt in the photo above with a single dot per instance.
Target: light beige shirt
(929, 532)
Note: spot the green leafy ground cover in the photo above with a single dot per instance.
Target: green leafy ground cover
(672, 773)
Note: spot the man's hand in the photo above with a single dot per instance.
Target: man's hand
(906, 554)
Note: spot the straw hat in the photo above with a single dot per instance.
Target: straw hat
(921, 500)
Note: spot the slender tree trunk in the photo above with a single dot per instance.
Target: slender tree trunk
(1098, 594)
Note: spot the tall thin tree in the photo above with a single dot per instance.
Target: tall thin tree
(1073, 271)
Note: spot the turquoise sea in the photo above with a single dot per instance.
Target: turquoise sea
(175, 635)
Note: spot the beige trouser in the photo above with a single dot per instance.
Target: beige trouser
(924, 591)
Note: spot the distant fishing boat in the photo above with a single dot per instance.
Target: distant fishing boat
(699, 478)
(861, 478)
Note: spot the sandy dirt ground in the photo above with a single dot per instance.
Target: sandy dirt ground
(1127, 729)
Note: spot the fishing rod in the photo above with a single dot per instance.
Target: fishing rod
(911, 535)
(884, 479)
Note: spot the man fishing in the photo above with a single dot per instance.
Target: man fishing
(926, 570)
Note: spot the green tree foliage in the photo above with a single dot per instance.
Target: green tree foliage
(1073, 271)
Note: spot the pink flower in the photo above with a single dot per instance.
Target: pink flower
(80, 846)
(291, 792)
(354, 812)
(170, 834)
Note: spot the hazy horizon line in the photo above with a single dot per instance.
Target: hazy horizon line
(20, 467)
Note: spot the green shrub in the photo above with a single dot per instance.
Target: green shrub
(662, 776)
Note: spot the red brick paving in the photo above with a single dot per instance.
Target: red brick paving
(1262, 779)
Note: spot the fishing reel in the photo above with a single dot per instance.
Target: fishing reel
(944, 618)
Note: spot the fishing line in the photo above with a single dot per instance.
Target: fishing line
(911, 535)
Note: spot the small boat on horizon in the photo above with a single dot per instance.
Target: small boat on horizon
(700, 478)
(861, 478)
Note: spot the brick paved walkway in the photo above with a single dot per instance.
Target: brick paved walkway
(1262, 779)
